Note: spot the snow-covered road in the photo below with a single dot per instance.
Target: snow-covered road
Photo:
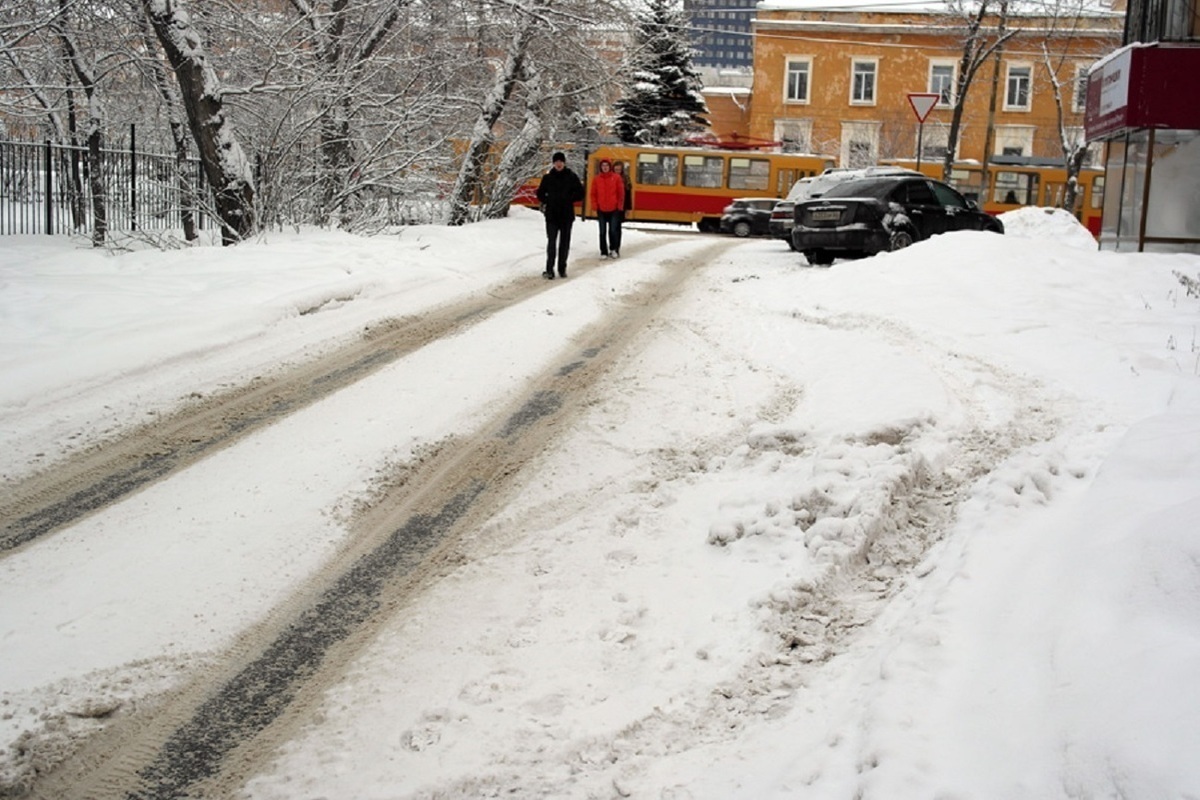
(702, 522)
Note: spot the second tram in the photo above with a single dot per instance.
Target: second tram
(1015, 182)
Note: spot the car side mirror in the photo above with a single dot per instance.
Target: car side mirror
(971, 204)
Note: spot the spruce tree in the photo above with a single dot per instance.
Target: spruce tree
(662, 101)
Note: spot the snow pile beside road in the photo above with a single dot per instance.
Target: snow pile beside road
(1059, 225)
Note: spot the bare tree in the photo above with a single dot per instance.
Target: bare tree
(85, 74)
(550, 50)
(519, 155)
(344, 44)
(1063, 46)
(359, 113)
(220, 154)
(179, 131)
(492, 107)
(979, 42)
(24, 51)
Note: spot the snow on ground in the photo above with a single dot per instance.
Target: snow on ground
(916, 526)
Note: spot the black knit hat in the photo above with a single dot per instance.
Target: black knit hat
(559, 157)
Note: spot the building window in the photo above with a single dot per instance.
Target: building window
(860, 144)
(935, 140)
(941, 82)
(1016, 96)
(798, 73)
(796, 135)
(1014, 140)
(862, 83)
(1079, 99)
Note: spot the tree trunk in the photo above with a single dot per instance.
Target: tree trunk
(966, 72)
(224, 163)
(75, 194)
(470, 176)
(518, 156)
(1074, 165)
(985, 183)
(188, 201)
(95, 124)
(95, 161)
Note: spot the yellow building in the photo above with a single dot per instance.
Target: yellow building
(837, 80)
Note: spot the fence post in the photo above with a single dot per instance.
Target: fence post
(49, 191)
(132, 176)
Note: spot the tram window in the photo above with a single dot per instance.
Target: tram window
(749, 173)
(784, 180)
(657, 169)
(703, 171)
(1015, 188)
(1098, 191)
(968, 182)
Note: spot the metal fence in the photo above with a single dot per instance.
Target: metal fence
(45, 188)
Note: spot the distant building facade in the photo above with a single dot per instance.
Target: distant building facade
(720, 32)
(835, 80)
(1142, 102)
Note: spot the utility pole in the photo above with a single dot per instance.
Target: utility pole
(985, 184)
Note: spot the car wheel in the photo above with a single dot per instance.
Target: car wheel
(900, 240)
(818, 258)
(741, 229)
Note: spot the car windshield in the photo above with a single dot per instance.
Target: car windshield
(863, 187)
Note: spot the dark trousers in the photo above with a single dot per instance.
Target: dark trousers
(610, 230)
(558, 243)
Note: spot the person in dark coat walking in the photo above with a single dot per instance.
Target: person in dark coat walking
(560, 189)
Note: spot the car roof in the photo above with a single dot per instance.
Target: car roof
(819, 184)
(875, 186)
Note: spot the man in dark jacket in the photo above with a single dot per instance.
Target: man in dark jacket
(558, 192)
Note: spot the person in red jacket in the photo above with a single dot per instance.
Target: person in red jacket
(608, 199)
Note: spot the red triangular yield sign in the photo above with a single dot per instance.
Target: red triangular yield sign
(922, 103)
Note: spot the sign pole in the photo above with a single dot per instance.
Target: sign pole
(922, 103)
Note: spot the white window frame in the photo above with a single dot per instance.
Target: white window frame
(935, 140)
(795, 130)
(807, 61)
(855, 62)
(1078, 97)
(1017, 137)
(1008, 85)
(953, 65)
(861, 133)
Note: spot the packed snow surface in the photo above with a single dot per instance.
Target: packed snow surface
(918, 526)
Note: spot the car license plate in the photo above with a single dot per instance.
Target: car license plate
(832, 215)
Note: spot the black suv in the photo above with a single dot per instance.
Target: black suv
(866, 216)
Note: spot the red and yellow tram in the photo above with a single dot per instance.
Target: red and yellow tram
(692, 185)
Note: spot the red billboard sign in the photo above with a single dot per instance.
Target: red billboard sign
(1144, 86)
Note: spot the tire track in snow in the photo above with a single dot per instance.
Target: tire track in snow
(203, 741)
(815, 621)
(66, 492)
